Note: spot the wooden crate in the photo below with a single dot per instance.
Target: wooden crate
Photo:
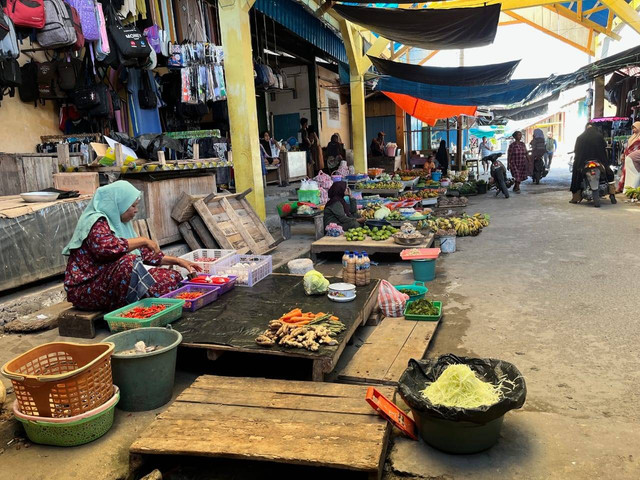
(234, 223)
(20, 173)
(160, 197)
(83, 182)
(281, 421)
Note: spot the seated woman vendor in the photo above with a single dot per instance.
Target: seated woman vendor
(105, 269)
(338, 211)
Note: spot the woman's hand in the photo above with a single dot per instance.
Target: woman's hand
(362, 220)
(189, 266)
(152, 245)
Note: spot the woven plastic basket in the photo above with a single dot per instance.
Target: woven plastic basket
(61, 379)
(207, 258)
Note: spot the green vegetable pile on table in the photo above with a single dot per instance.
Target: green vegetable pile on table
(422, 307)
(409, 292)
(376, 233)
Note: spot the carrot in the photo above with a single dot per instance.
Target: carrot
(319, 314)
(292, 313)
(333, 318)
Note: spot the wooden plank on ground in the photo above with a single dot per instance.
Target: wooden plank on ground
(385, 354)
(281, 421)
(183, 209)
(189, 237)
(198, 226)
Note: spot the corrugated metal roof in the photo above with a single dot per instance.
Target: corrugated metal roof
(294, 17)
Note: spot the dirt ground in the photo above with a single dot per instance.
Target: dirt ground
(548, 286)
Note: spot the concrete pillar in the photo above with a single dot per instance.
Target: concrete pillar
(241, 99)
(358, 123)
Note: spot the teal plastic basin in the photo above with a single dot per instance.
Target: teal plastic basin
(145, 379)
(417, 286)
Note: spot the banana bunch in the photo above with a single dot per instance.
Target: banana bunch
(466, 226)
(484, 219)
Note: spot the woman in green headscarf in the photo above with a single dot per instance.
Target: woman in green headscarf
(105, 268)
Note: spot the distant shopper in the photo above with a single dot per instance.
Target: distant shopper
(538, 151)
(485, 149)
(338, 211)
(316, 150)
(518, 160)
(590, 145)
(551, 146)
(335, 152)
(377, 145)
(442, 156)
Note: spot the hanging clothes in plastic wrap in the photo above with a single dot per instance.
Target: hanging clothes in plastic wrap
(143, 120)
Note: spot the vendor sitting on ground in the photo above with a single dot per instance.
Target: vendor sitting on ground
(338, 211)
(377, 145)
(105, 269)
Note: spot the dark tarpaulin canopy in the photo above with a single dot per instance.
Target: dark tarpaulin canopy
(530, 110)
(557, 83)
(433, 29)
(512, 92)
(454, 76)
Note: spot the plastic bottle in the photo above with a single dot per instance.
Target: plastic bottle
(367, 268)
(345, 257)
(360, 271)
(350, 276)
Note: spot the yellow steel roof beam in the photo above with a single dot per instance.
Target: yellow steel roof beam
(428, 57)
(585, 22)
(401, 51)
(587, 49)
(506, 4)
(625, 12)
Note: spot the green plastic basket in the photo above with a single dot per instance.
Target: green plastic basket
(427, 318)
(417, 286)
(171, 313)
(71, 434)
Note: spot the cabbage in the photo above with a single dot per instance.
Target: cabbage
(382, 213)
(315, 283)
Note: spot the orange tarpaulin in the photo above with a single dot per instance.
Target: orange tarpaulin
(428, 112)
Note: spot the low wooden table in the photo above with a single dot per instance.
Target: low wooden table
(317, 219)
(276, 421)
(232, 323)
(340, 244)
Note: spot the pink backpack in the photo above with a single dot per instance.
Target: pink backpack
(102, 45)
(26, 13)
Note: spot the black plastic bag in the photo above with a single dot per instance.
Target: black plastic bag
(421, 373)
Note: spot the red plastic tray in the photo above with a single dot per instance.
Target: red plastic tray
(421, 253)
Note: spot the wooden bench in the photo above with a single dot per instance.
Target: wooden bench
(317, 219)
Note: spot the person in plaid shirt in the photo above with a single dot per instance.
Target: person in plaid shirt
(518, 160)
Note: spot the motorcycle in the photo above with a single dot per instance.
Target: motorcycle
(594, 183)
(499, 175)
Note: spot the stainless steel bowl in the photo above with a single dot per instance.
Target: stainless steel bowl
(408, 241)
(33, 197)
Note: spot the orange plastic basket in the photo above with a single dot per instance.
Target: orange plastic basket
(61, 379)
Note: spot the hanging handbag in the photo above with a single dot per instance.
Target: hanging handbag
(146, 95)
(131, 45)
(68, 72)
(85, 96)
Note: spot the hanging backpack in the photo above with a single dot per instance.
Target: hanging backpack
(68, 73)
(9, 43)
(75, 20)
(87, 11)
(59, 30)
(10, 77)
(48, 88)
(102, 45)
(28, 91)
(132, 47)
(27, 13)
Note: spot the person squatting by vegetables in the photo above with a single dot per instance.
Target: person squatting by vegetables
(105, 269)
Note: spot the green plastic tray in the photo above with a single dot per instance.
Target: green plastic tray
(426, 318)
(171, 313)
(418, 286)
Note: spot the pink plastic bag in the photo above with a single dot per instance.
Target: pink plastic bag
(390, 300)
(323, 180)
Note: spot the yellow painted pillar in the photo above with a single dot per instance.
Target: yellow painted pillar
(241, 99)
(358, 123)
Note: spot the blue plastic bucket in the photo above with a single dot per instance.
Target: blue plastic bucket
(435, 176)
(423, 270)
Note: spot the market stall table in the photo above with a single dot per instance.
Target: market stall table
(232, 323)
(317, 218)
(279, 421)
(340, 244)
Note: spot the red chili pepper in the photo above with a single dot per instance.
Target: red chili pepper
(189, 295)
(144, 312)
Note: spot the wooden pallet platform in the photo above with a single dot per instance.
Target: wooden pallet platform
(385, 354)
(340, 244)
(281, 421)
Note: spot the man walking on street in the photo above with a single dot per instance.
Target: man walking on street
(552, 146)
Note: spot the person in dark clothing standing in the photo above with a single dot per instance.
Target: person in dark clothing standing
(305, 144)
(442, 156)
(377, 145)
(590, 145)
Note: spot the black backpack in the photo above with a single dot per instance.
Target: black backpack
(171, 88)
(48, 88)
(132, 46)
(28, 91)
(10, 77)
(68, 73)
(146, 94)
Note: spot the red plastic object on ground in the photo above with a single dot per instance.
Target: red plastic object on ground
(390, 412)
(420, 253)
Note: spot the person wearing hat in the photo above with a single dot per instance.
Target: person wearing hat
(377, 145)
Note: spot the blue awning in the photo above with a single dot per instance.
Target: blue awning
(294, 17)
(505, 94)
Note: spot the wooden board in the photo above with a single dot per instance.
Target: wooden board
(234, 223)
(13, 206)
(231, 323)
(385, 354)
(281, 421)
(198, 226)
(340, 244)
(160, 197)
(183, 209)
(83, 182)
(187, 233)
